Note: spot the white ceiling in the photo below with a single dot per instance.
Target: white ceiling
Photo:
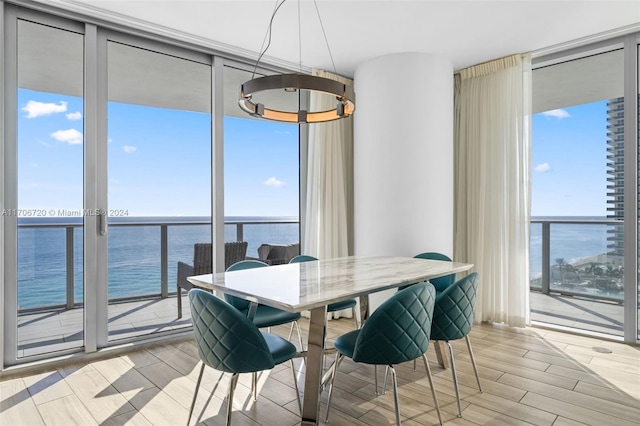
(467, 32)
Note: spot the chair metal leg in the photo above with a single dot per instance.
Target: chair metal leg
(297, 324)
(396, 402)
(179, 296)
(254, 385)
(232, 388)
(455, 376)
(473, 361)
(433, 389)
(414, 364)
(333, 380)
(384, 383)
(324, 344)
(375, 378)
(355, 316)
(295, 385)
(195, 395)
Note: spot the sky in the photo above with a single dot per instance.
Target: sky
(569, 173)
(159, 160)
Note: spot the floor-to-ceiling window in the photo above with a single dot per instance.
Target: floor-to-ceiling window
(49, 200)
(580, 214)
(637, 130)
(108, 150)
(261, 169)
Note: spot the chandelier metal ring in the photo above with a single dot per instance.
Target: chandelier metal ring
(293, 82)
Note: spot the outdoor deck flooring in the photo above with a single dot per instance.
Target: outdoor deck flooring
(578, 312)
(53, 331)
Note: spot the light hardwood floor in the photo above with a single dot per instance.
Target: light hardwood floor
(529, 376)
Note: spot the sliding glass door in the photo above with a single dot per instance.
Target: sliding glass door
(44, 209)
(584, 254)
(107, 152)
(159, 181)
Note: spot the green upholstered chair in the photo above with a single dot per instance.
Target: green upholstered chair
(396, 332)
(228, 341)
(265, 316)
(439, 283)
(453, 318)
(332, 307)
(302, 258)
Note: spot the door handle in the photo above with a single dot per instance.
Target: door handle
(103, 222)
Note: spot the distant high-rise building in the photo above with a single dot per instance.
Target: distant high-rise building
(615, 180)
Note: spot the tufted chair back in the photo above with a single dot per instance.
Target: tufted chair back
(303, 258)
(440, 283)
(453, 314)
(226, 339)
(399, 329)
(236, 302)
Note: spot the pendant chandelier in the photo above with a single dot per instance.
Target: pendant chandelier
(293, 82)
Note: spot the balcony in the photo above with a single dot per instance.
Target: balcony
(50, 285)
(575, 280)
(582, 290)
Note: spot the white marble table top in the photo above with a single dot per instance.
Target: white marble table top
(300, 286)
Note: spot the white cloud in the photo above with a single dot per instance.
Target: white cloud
(74, 115)
(557, 113)
(39, 109)
(70, 136)
(544, 167)
(272, 181)
(129, 149)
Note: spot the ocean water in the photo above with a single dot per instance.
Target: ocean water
(134, 254)
(572, 242)
(584, 246)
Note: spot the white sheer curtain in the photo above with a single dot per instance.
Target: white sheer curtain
(492, 206)
(329, 209)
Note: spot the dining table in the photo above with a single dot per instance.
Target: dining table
(311, 286)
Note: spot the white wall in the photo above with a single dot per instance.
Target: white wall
(403, 156)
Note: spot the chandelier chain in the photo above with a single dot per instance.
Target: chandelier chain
(325, 36)
(262, 52)
(299, 38)
(267, 37)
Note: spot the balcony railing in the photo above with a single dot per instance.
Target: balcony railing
(577, 258)
(238, 226)
(596, 274)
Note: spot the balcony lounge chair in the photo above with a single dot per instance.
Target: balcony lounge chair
(202, 257)
(278, 254)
